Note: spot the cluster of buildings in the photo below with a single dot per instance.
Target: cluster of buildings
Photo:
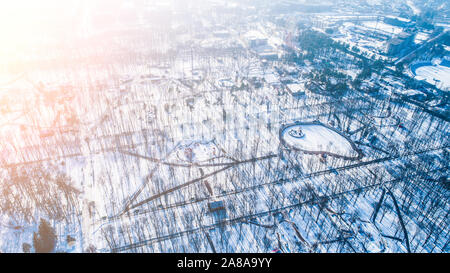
(258, 42)
(400, 42)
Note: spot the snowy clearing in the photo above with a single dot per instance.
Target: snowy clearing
(434, 74)
(317, 138)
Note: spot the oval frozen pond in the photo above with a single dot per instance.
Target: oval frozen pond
(316, 138)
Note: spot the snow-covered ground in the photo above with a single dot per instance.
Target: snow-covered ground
(197, 151)
(318, 138)
(156, 143)
(434, 74)
(389, 29)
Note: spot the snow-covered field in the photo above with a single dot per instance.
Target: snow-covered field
(153, 141)
(434, 74)
(318, 138)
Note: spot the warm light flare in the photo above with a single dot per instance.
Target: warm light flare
(27, 25)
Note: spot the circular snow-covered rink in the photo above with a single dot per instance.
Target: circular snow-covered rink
(317, 138)
(437, 74)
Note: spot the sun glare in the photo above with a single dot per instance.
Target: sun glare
(266, 126)
(27, 25)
